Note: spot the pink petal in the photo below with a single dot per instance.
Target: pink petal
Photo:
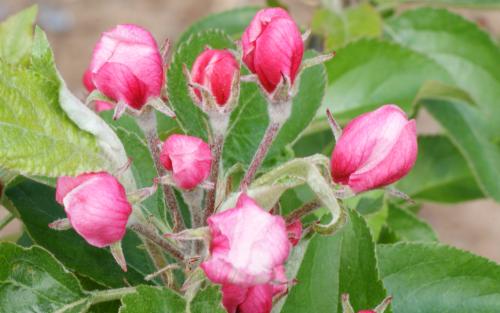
(98, 210)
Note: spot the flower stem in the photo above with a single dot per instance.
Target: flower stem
(152, 235)
(147, 122)
(214, 175)
(304, 210)
(159, 261)
(260, 154)
(111, 294)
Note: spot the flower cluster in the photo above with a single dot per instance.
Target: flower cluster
(247, 245)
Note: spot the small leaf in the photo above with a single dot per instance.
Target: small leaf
(16, 36)
(153, 300)
(32, 280)
(434, 278)
(333, 265)
(407, 226)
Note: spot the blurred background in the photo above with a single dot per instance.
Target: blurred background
(73, 27)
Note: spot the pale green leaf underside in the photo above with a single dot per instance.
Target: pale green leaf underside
(16, 34)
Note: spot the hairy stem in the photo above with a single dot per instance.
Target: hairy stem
(260, 154)
(6, 220)
(152, 235)
(214, 175)
(111, 294)
(304, 210)
(147, 122)
(159, 261)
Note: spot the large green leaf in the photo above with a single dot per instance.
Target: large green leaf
(369, 73)
(32, 280)
(208, 300)
(153, 300)
(433, 278)
(440, 174)
(16, 36)
(38, 138)
(232, 22)
(37, 208)
(467, 129)
(333, 265)
(340, 28)
(469, 54)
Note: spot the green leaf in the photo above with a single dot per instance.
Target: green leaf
(232, 22)
(467, 129)
(37, 208)
(468, 53)
(441, 173)
(153, 300)
(38, 138)
(32, 280)
(208, 300)
(408, 227)
(369, 73)
(249, 120)
(433, 278)
(16, 36)
(333, 265)
(340, 28)
(473, 4)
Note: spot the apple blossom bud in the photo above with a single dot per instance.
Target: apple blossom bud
(96, 205)
(367, 311)
(215, 70)
(254, 299)
(272, 47)
(89, 85)
(248, 245)
(189, 158)
(375, 149)
(127, 66)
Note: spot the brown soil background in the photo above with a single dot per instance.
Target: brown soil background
(73, 27)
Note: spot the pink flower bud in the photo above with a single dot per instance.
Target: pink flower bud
(294, 230)
(255, 299)
(375, 149)
(367, 311)
(89, 85)
(272, 47)
(127, 66)
(96, 205)
(215, 70)
(248, 245)
(189, 158)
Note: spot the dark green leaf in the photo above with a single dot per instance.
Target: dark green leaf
(37, 208)
(433, 278)
(369, 73)
(32, 280)
(232, 22)
(153, 300)
(333, 265)
(440, 174)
